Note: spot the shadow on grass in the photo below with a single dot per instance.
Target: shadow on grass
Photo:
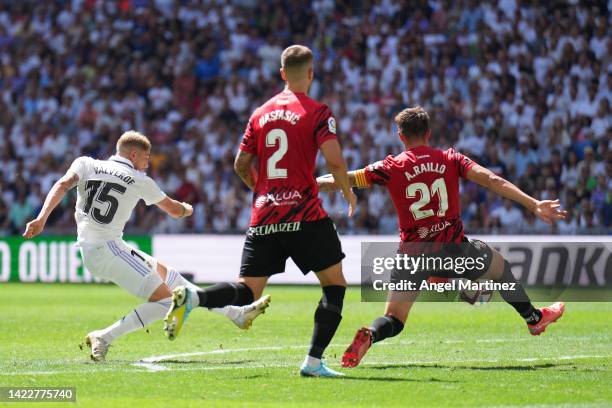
(396, 379)
(248, 377)
(529, 367)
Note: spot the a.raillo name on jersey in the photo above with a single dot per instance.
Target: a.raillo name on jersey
(279, 114)
(126, 178)
(425, 167)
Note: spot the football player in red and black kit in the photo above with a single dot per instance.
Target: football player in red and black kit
(424, 185)
(282, 140)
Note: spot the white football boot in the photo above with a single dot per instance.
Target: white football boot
(97, 345)
(248, 313)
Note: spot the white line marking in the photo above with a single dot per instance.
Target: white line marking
(151, 366)
(148, 363)
(156, 359)
(147, 366)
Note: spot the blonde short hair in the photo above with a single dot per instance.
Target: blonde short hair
(133, 140)
(295, 57)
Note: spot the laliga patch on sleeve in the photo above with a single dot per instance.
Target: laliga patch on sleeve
(331, 124)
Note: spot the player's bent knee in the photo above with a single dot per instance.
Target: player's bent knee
(162, 270)
(332, 276)
(162, 292)
(496, 269)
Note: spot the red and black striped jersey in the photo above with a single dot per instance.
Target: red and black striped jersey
(424, 186)
(285, 134)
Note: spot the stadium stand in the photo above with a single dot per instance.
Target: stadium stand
(525, 90)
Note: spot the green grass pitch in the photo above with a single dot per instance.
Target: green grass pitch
(450, 354)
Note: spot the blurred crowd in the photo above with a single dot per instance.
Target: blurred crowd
(523, 87)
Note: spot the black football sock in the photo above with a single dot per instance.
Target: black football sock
(518, 298)
(224, 294)
(386, 326)
(326, 319)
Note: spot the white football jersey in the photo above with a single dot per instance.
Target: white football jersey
(107, 192)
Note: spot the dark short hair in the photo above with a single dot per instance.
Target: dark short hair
(413, 122)
(296, 56)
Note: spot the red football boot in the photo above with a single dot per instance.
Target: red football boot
(358, 348)
(550, 315)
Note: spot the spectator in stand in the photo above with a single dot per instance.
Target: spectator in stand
(509, 217)
(524, 87)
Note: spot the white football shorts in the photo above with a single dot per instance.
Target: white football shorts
(116, 261)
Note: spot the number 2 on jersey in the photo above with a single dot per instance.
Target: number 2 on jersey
(439, 187)
(92, 187)
(271, 138)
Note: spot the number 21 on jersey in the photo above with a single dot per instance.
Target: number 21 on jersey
(425, 193)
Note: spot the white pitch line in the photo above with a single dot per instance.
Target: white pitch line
(263, 366)
(148, 363)
(156, 359)
(260, 366)
(151, 366)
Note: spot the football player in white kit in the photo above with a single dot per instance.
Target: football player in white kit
(107, 192)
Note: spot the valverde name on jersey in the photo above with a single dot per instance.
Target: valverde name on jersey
(126, 178)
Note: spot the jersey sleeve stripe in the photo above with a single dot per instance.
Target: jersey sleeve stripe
(381, 174)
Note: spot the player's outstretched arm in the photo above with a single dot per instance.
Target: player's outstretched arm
(54, 197)
(175, 209)
(335, 163)
(243, 166)
(548, 210)
(328, 183)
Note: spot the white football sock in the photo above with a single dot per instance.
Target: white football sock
(174, 279)
(140, 317)
(312, 361)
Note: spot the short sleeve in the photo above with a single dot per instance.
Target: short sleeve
(151, 193)
(247, 144)
(80, 165)
(380, 172)
(325, 125)
(461, 161)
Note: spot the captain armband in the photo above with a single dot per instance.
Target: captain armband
(360, 179)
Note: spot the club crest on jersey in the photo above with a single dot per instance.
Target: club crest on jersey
(285, 198)
(331, 124)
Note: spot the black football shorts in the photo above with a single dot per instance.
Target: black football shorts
(313, 246)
